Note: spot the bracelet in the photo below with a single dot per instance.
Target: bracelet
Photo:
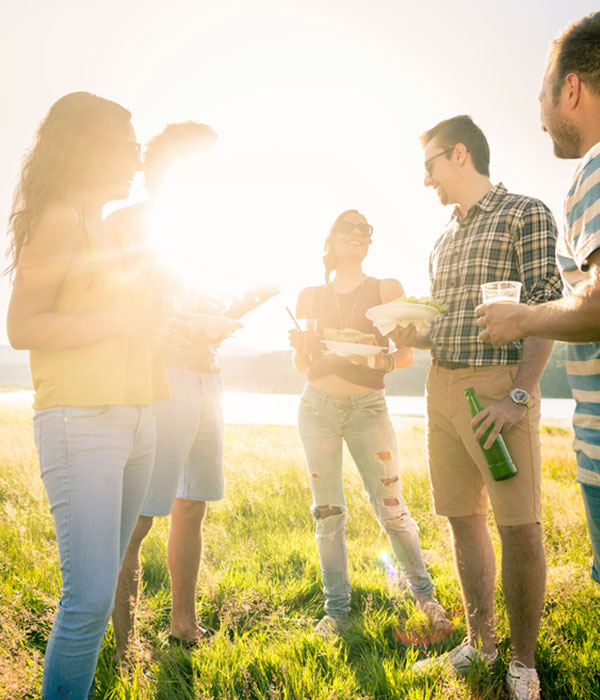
(391, 363)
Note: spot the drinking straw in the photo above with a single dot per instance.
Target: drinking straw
(293, 319)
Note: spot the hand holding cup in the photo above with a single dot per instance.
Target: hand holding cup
(307, 340)
(500, 316)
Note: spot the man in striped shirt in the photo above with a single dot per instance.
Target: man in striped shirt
(570, 111)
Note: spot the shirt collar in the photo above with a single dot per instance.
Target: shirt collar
(488, 202)
(590, 155)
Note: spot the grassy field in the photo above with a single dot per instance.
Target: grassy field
(260, 588)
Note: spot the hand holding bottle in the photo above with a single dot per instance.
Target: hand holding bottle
(497, 456)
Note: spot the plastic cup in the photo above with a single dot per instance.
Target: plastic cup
(308, 325)
(502, 292)
(310, 336)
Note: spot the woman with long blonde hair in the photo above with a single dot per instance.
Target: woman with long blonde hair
(82, 306)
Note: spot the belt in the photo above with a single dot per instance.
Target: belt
(451, 365)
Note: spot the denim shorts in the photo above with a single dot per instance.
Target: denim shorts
(189, 442)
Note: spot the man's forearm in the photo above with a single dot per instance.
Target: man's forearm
(536, 352)
(574, 319)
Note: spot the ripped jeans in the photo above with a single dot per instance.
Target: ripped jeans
(324, 422)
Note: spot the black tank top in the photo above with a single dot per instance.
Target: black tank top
(348, 312)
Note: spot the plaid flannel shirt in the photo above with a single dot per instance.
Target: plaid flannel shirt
(504, 236)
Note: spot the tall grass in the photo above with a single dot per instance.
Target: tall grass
(260, 594)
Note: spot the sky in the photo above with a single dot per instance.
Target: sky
(318, 104)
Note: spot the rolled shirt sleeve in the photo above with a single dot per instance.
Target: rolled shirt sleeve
(534, 249)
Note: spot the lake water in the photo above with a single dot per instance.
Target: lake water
(281, 409)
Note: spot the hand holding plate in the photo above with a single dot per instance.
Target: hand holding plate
(370, 361)
(409, 337)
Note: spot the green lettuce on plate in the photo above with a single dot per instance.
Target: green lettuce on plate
(427, 301)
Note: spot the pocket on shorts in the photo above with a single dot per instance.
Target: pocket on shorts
(85, 414)
(493, 384)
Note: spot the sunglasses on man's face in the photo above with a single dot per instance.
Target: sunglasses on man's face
(429, 162)
(346, 227)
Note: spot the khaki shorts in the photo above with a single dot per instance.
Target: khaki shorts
(460, 478)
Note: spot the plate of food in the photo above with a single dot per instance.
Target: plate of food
(417, 310)
(349, 341)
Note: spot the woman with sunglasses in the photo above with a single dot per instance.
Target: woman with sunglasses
(83, 307)
(344, 401)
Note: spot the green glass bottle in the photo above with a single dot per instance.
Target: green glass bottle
(498, 457)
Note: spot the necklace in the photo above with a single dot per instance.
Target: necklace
(337, 304)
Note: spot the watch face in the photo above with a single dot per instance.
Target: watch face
(519, 396)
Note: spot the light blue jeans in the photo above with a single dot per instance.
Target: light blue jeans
(96, 463)
(325, 421)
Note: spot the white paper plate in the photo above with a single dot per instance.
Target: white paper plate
(386, 317)
(345, 349)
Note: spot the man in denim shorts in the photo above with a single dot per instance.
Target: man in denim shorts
(493, 235)
(188, 469)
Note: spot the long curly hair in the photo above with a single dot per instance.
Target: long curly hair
(329, 259)
(68, 156)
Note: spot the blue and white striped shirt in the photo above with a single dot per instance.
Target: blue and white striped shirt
(580, 239)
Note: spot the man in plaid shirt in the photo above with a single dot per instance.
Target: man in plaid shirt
(492, 235)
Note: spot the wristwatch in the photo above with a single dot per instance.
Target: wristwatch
(520, 397)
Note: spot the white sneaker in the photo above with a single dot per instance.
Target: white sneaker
(522, 682)
(330, 626)
(460, 658)
(436, 614)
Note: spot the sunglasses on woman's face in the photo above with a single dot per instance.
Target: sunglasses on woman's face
(346, 227)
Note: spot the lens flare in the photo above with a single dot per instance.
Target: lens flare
(391, 570)
(417, 629)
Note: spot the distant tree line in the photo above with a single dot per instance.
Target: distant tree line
(273, 373)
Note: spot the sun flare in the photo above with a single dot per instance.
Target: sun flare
(209, 226)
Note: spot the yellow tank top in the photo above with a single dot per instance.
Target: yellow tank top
(120, 370)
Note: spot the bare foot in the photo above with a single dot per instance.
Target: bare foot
(188, 637)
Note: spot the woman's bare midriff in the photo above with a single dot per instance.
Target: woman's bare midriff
(338, 386)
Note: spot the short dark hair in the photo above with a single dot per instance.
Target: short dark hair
(577, 50)
(462, 129)
(173, 142)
